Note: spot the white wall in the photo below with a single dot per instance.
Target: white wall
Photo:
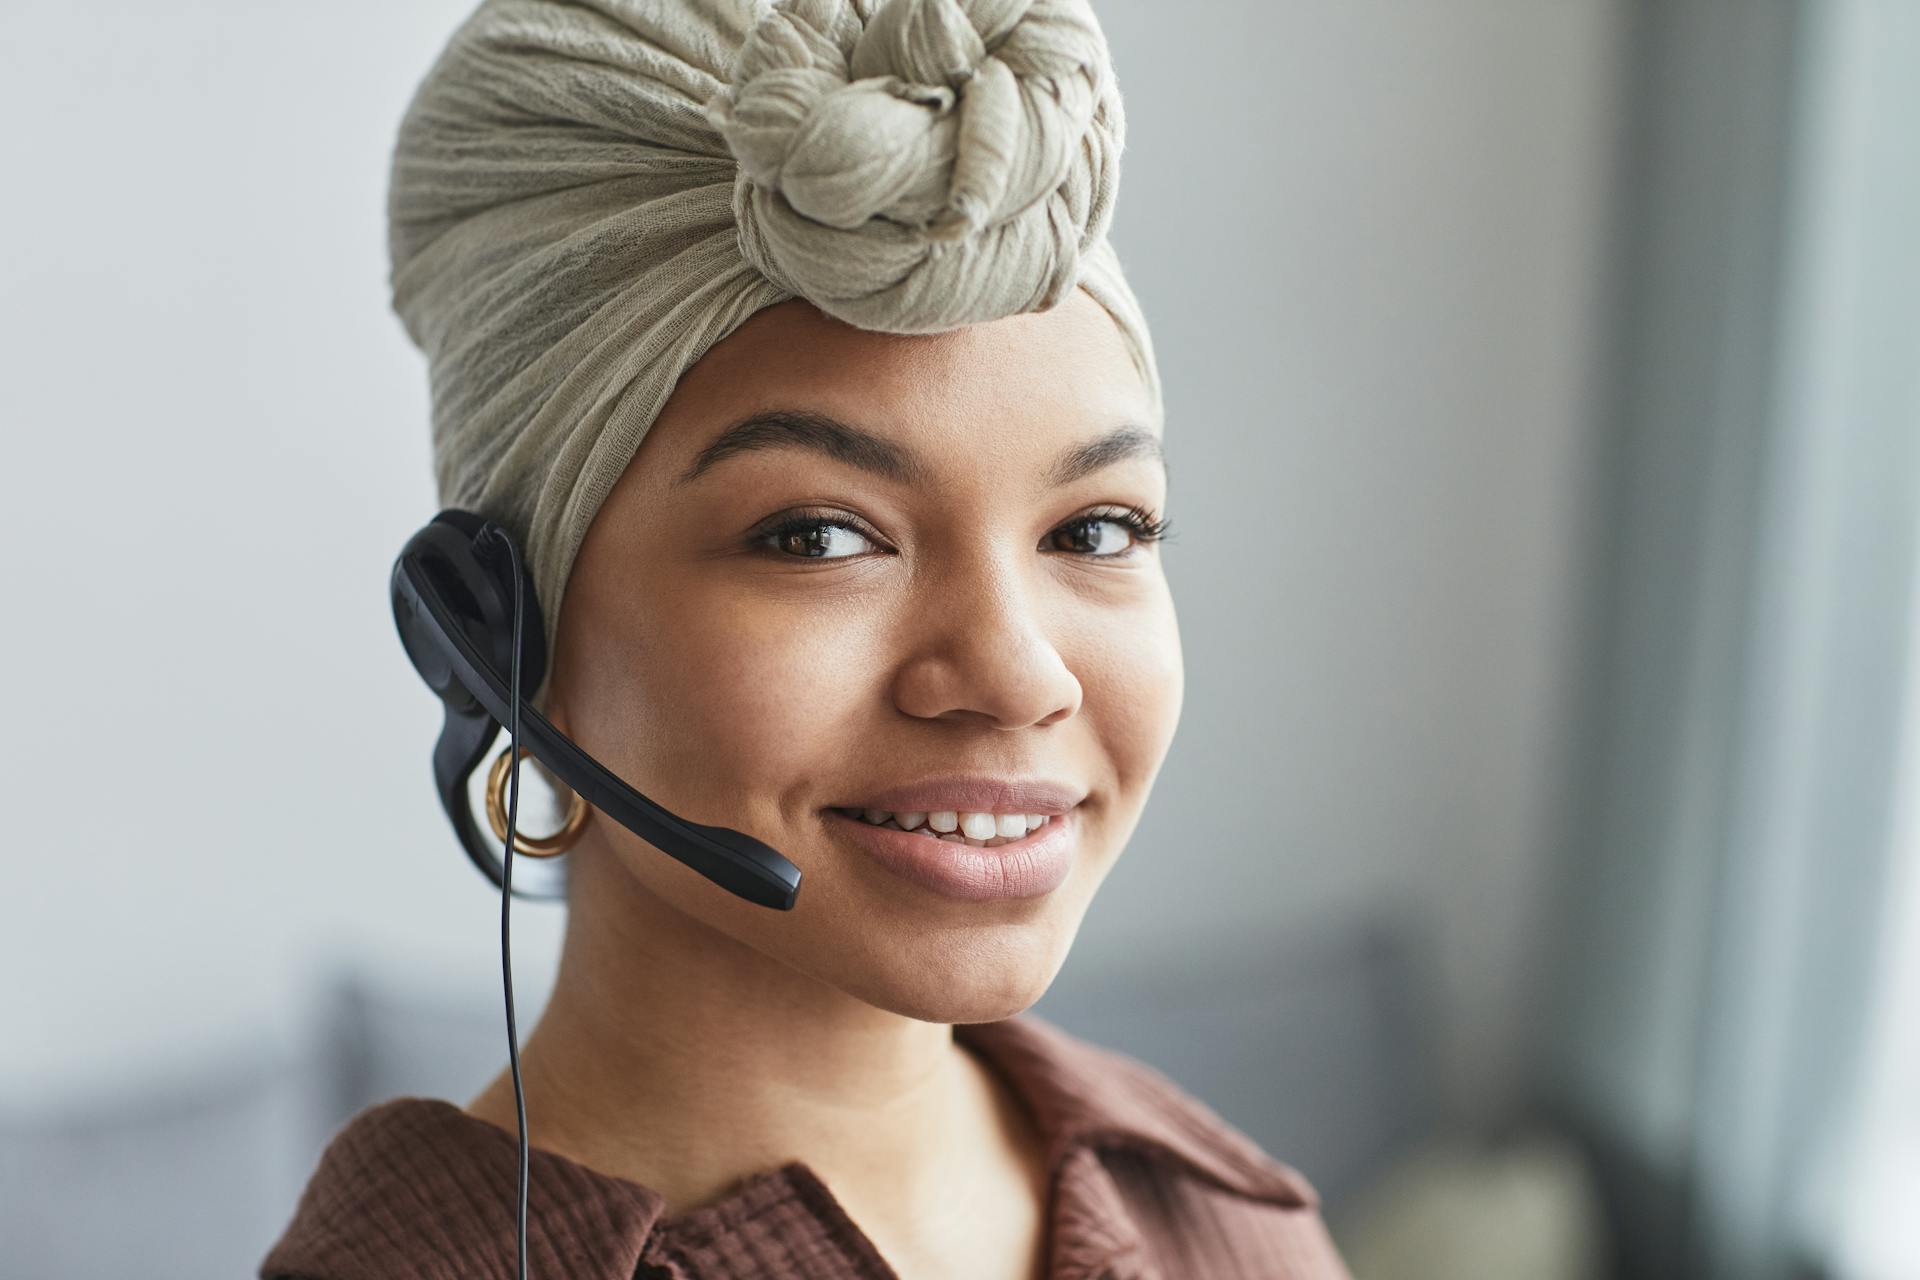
(216, 444)
(1367, 234)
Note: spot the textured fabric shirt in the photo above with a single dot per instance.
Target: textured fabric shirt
(1145, 1183)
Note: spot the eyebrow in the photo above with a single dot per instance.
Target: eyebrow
(819, 433)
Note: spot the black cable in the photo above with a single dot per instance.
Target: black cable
(506, 895)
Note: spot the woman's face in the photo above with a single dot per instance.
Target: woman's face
(943, 586)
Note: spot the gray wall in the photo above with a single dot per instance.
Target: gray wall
(1369, 237)
(1367, 233)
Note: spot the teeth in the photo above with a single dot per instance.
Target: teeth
(980, 830)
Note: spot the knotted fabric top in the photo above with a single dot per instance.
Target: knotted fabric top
(588, 194)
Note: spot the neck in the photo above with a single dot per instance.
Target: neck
(675, 1056)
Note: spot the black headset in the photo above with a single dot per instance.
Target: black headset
(460, 595)
(465, 606)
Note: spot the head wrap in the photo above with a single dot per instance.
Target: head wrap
(587, 194)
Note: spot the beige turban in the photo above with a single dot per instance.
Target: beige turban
(588, 194)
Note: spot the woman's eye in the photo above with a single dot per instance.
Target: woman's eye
(1107, 537)
(814, 538)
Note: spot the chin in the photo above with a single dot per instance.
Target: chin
(961, 980)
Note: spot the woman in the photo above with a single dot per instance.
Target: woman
(789, 343)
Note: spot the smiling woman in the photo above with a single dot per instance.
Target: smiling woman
(834, 437)
(918, 618)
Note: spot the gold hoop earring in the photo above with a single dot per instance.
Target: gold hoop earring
(536, 846)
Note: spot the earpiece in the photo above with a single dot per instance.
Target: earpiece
(453, 590)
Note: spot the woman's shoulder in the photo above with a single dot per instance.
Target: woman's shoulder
(1143, 1163)
(417, 1186)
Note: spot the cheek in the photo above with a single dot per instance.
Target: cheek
(1134, 681)
(715, 699)
(733, 700)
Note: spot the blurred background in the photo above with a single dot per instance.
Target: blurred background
(1537, 867)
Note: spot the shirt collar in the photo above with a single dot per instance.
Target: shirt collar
(1083, 1095)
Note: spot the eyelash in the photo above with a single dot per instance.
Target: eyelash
(1145, 526)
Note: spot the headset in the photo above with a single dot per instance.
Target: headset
(465, 606)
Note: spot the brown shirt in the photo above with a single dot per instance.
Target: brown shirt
(1147, 1184)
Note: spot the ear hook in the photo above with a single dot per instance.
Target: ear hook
(452, 610)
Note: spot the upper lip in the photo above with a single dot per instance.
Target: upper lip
(975, 793)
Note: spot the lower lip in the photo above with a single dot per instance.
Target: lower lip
(1037, 863)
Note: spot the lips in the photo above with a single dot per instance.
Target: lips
(1030, 867)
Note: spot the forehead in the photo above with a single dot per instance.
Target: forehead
(1019, 383)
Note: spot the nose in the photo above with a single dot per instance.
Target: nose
(979, 649)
